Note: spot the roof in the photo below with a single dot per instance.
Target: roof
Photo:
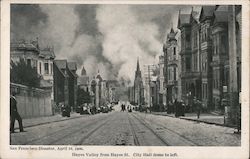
(171, 35)
(22, 45)
(207, 11)
(61, 64)
(72, 66)
(83, 72)
(47, 53)
(222, 8)
(99, 77)
(183, 19)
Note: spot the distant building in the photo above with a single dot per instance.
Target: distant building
(138, 86)
(83, 80)
(161, 78)
(112, 86)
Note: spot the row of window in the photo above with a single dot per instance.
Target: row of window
(172, 73)
(47, 69)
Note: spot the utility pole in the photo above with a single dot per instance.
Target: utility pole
(149, 90)
(233, 87)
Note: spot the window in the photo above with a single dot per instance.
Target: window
(223, 44)
(40, 67)
(29, 62)
(46, 68)
(174, 51)
(188, 63)
(214, 45)
(174, 73)
(187, 41)
(51, 68)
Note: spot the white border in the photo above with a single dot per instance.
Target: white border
(183, 152)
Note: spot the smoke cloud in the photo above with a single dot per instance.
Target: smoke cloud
(125, 38)
(108, 38)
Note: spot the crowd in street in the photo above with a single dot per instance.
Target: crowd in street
(179, 108)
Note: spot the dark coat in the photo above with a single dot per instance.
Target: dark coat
(13, 104)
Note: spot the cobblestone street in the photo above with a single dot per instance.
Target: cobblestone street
(123, 128)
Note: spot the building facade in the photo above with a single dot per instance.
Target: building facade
(207, 61)
(65, 83)
(172, 67)
(39, 58)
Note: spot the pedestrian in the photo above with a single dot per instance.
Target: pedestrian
(198, 108)
(177, 108)
(14, 115)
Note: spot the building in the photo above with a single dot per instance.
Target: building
(95, 88)
(65, 83)
(112, 88)
(161, 80)
(222, 61)
(138, 86)
(131, 94)
(72, 84)
(190, 55)
(206, 45)
(210, 55)
(171, 55)
(83, 80)
(39, 58)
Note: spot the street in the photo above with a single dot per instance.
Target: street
(124, 128)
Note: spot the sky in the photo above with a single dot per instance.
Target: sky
(104, 37)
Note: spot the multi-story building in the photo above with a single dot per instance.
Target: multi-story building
(206, 65)
(190, 76)
(221, 58)
(39, 58)
(171, 55)
(161, 79)
(205, 46)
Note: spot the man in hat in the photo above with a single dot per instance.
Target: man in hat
(14, 115)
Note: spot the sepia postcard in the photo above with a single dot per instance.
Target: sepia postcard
(123, 79)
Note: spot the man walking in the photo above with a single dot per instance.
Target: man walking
(14, 115)
(198, 107)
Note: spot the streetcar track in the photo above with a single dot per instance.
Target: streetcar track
(91, 132)
(176, 133)
(55, 133)
(149, 128)
(135, 138)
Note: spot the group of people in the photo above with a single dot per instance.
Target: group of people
(123, 107)
(179, 108)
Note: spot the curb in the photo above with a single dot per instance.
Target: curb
(48, 122)
(202, 121)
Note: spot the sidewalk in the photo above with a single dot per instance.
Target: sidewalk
(47, 119)
(204, 117)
